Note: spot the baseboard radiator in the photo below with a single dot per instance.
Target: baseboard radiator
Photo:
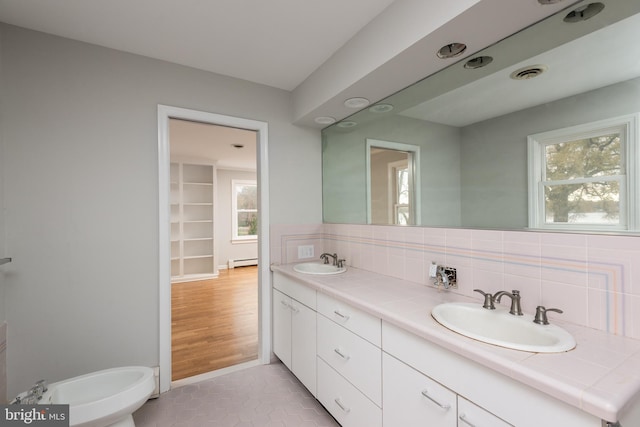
(242, 262)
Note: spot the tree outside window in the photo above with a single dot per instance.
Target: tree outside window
(580, 177)
(245, 209)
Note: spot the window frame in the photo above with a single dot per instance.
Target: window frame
(627, 126)
(235, 211)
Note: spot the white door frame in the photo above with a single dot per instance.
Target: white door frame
(264, 283)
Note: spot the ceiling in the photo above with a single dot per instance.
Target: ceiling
(593, 61)
(228, 148)
(278, 43)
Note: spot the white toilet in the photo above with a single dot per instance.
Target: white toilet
(104, 398)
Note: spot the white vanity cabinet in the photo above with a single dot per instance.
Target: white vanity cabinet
(294, 328)
(349, 363)
(484, 396)
(411, 399)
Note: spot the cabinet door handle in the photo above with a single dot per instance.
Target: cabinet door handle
(344, 408)
(283, 302)
(340, 315)
(341, 354)
(445, 406)
(463, 418)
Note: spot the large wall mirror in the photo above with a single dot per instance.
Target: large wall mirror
(480, 123)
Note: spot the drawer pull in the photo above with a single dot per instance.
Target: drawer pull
(446, 406)
(340, 315)
(463, 418)
(289, 306)
(341, 354)
(344, 408)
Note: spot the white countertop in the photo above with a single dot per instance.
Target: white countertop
(601, 375)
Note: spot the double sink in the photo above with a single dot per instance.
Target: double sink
(497, 326)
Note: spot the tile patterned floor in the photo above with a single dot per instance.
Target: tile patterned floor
(261, 396)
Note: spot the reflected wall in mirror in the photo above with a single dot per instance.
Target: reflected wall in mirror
(473, 125)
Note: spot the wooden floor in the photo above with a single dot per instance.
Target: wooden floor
(214, 323)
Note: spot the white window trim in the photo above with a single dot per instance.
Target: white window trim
(234, 212)
(414, 174)
(629, 206)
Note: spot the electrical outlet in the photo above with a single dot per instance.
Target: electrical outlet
(305, 251)
(433, 269)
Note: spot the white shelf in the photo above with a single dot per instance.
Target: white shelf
(192, 198)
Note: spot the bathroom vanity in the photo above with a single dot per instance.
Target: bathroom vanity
(367, 347)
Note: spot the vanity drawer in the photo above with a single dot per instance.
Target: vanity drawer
(295, 290)
(347, 405)
(356, 359)
(357, 321)
(412, 399)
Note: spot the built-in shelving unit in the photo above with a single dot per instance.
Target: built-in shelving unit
(192, 216)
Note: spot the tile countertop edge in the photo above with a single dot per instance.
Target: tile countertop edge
(605, 404)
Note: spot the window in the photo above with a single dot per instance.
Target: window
(584, 177)
(401, 192)
(244, 204)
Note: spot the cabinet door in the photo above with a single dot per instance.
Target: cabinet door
(303, 344)
(281, 312)
(412, 399)
(471, 415)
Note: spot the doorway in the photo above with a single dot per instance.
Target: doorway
(210, 260)
(214, 247)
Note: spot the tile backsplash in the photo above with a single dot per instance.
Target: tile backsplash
(594, 279)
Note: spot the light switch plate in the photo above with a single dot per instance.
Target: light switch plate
(305, 251)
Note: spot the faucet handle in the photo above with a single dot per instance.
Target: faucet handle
(541, 314)
(488, 299)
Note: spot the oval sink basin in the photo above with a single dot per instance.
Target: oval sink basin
(500, 328)
(318, 268)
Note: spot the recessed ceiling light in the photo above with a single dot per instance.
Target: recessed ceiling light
(478, 62)
(529, 72)
(381, 108)
(325, 120)
(347, 124)
(584, 12)
(356, 102)
(451, 50)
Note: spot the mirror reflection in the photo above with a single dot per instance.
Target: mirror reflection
(537, 131)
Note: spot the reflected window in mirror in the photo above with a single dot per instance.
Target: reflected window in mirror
(393, 182)
(582, 177)
(400, 181)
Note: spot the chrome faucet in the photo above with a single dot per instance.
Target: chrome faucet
(325, 257)
(488, 299)
(516, 309)
(541, 315)
(336, 261)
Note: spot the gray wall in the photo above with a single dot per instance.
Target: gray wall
(2, 210)
(494, 152)
(3, 372)
(344, 189)
(80, 173)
